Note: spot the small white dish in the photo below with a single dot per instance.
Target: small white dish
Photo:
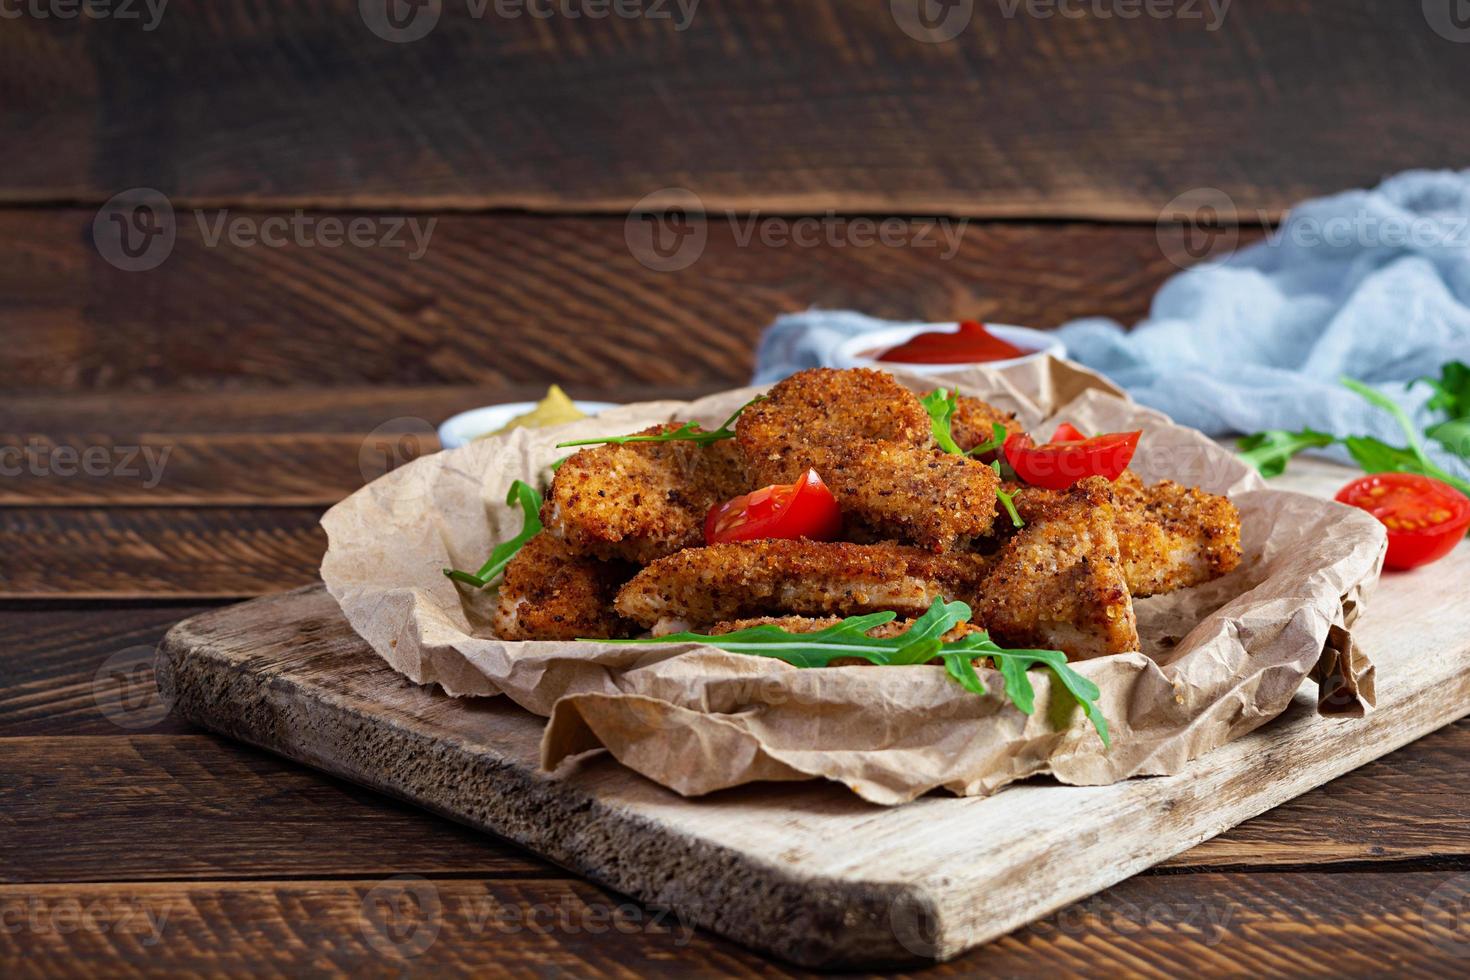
(862, 351)
(466, 427)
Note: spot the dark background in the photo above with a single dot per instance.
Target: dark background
(1092, 156)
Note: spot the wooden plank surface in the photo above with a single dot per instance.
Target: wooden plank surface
(289, 675)
(1294, 924)
(757, 103)
(501, 300)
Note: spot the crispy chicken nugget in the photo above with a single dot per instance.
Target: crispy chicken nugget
(974, 421)
(641, 500)
(923, 497)
(825, 407)
(551, 594)
(700, 586)
(1058, 583)
(813, 624)
(1172, 537)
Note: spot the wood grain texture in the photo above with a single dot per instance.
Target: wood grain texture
(159, 552)
(115, 808)
(501, 300)
(1305, 924)
(286, 673)
(803, 107)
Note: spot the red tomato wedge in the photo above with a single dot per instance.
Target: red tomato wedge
(1425, 517)
(1067, 432)
(1058, 464)
(804, 509)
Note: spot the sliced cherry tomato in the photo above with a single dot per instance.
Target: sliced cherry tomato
(1425, 517)
(1067, 432)
(1058, 464)
(804, 509)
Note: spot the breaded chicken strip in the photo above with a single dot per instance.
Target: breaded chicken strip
(551, 594)
(641, 500)
(813, 624)
(823, 407)
(700, 586)
(974, 420)
(924, 497)
(1172, 537)
(1058, 583)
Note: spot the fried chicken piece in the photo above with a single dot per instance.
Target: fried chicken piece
(641, 500)
(974, 420)
(825, 407)
(923, 497)
(1058, 583)
(813, 624)
(1172, 537)
(700, 586)
(551, 594)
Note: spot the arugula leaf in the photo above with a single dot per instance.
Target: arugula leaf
(920, 643)
(1451, 390)
(530, 503)
(941, 406)
(1376, 456)
(1270, 451)
(997, 441)
(1454, 435)
(687, 432)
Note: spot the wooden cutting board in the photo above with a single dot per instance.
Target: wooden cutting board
(806, 871)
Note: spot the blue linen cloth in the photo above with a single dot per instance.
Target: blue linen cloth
(1374, 285)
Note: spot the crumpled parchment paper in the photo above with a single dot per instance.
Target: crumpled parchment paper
(1217, 660)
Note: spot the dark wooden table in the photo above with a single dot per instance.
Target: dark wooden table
(130, 842)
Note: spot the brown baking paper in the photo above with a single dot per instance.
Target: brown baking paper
(1217, 661)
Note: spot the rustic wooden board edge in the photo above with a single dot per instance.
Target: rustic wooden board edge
(834, 918)
(809, 921)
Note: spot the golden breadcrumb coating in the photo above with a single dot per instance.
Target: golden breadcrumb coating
(641, 500)
(924, 497)
(824, 407)
(974, 421)
(700, 586)
(813, 624)
(551, 594)
(1058, 583)
(1172, 537)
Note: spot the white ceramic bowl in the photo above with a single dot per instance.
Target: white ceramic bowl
(862, 350)
(469, 426)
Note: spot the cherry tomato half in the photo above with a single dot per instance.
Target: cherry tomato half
(1060, 463)
(1067, 432)
(1425, 517)
(804, 509)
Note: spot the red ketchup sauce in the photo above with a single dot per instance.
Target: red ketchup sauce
(970, 344)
